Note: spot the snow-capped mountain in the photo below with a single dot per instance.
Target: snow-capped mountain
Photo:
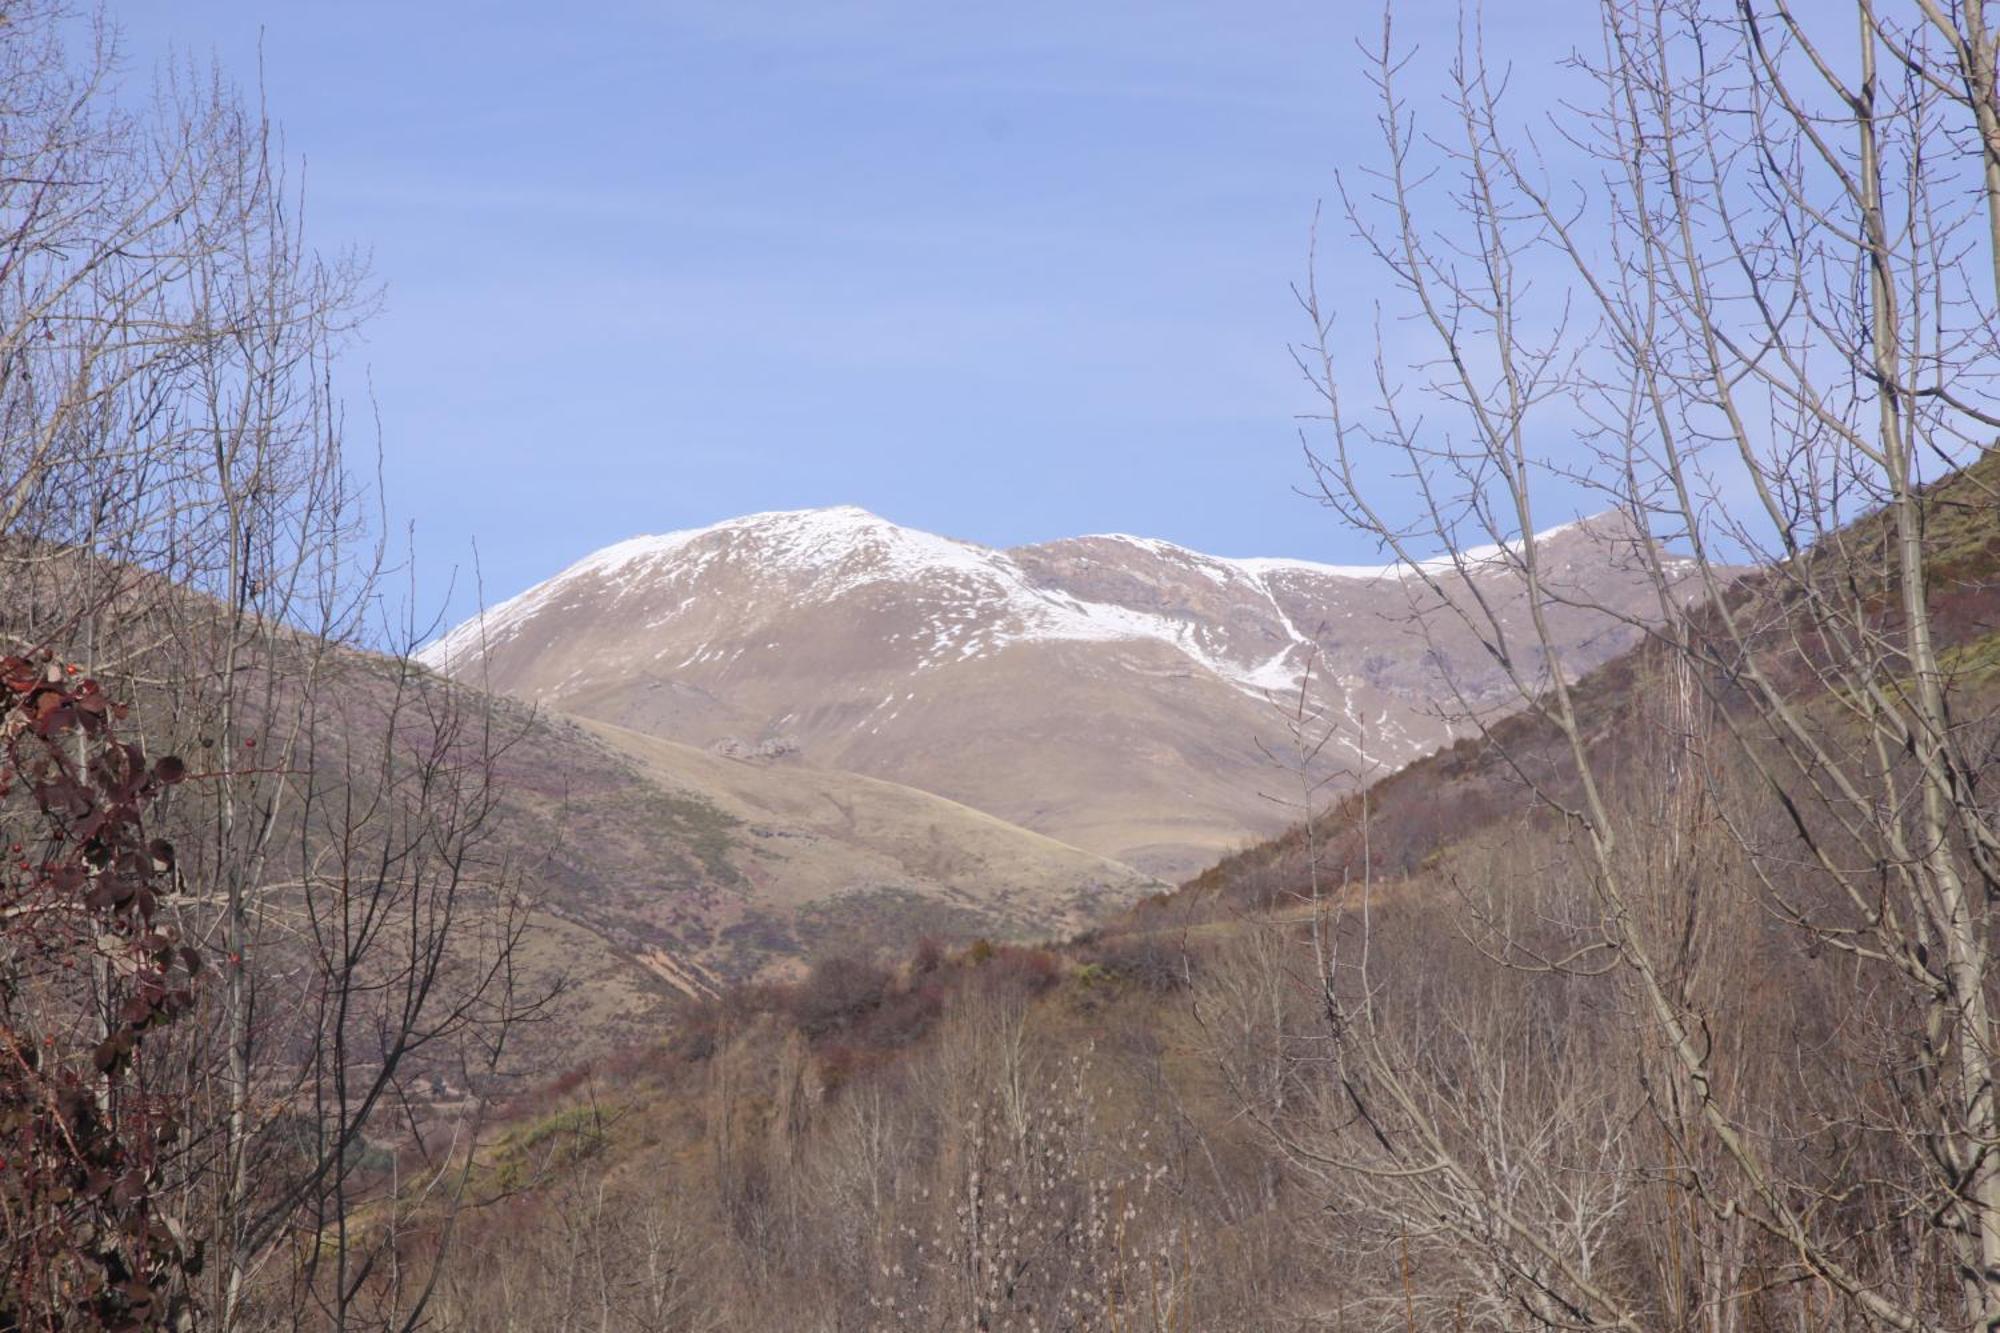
(1119, 693)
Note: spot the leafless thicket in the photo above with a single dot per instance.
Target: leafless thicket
(1764, 308)
(178, 515)
(992, 1173)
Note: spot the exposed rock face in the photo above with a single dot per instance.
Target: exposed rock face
(1117, 693)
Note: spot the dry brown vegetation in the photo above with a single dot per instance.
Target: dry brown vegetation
(1665, 1000)
(181, 531)
(1666, 1003)
(1199, 1149)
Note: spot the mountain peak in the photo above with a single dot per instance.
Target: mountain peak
(825, 521)
(1106, 690)
(820, 554)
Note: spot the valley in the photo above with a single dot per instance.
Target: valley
(1574, 904)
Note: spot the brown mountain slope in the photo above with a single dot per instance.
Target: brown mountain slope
(1109, 691)
(1188, 1044)
(680, 872)
(656, 871)
(1474, 783)
(800, 861)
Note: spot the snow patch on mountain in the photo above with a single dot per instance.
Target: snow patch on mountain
(979, 600)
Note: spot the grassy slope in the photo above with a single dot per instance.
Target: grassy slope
(665, 872)
(833, 859)
(1462, 796)
(1420, 810)
(661, 871)
(1113, 996)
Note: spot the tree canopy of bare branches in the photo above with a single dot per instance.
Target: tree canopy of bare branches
(1743, 288)
(179, 514)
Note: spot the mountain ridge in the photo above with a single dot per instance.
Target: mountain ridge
(1119, 694)
(823, 527)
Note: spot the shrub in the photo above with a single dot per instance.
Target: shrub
(1151, 961)
(900, 1018)
(1029, 971)
(84, 1131)
(838, 990)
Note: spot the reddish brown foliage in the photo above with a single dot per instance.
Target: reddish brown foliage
(90, 975)
(838, 990)
(1021, 968)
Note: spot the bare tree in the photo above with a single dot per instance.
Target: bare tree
(178, 513)
(1759, 320)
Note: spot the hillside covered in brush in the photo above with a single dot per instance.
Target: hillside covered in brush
(1160, 1114)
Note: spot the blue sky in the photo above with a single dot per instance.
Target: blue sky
(1007, 272)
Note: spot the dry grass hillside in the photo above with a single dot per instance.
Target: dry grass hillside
(657, 873)
(838, 862)
(1151, 1125)
(662, 873)
(1477, 781)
